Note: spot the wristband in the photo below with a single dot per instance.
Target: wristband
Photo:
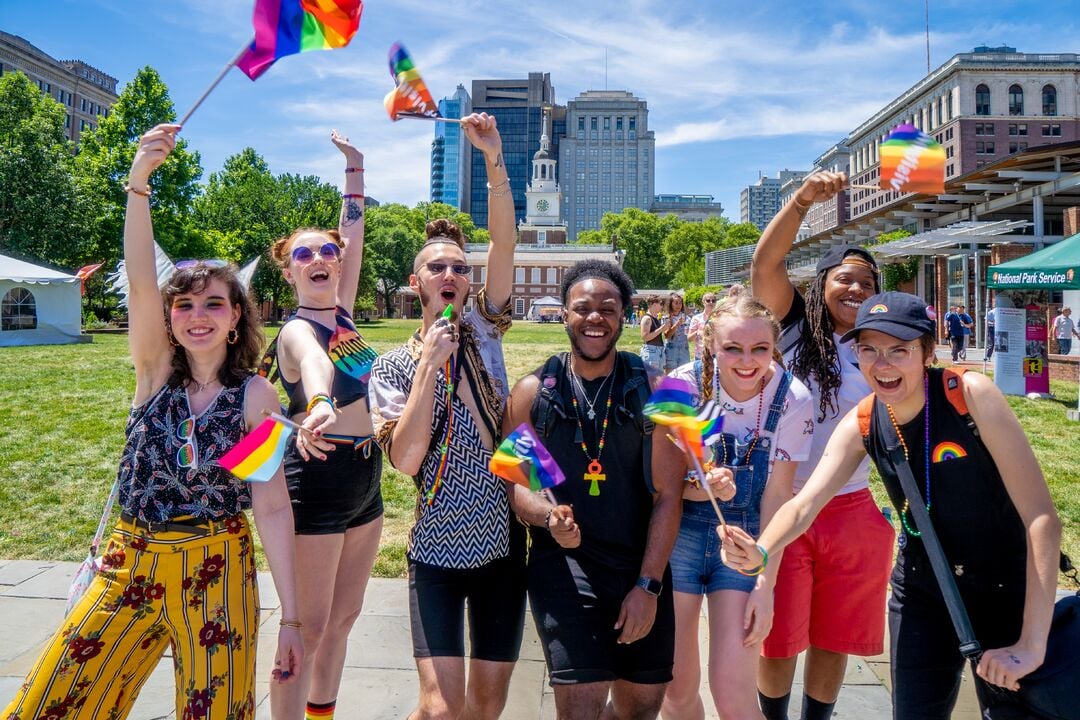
(290, 623)
(798, 205)
(354, 169)
(318, 398)
(547, 518)
(346, 196)
(760, 568)
(144, 193)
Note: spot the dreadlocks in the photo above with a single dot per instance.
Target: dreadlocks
(815, 354)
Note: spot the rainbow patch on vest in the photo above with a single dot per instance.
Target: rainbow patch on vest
(879, 308)
(948, 451)
(350, 354)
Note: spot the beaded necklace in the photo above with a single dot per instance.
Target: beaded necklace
(594, 474)
(757, 430)
(926, 445)
(444, 448)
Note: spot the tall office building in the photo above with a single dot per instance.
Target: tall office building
(518, 108)
(449, 167)
(760, 201)
(607, 158)
(85, 92)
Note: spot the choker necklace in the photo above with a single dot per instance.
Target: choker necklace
(306, 307)
(590, 403)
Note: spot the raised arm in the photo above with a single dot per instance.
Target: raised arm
(481, 130)
(768, 271)
(351, 223)
(1009, 446)
(148, 333)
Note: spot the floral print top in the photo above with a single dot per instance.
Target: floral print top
(169, 468)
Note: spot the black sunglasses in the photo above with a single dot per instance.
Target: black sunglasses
(328, 252)
(438, 268)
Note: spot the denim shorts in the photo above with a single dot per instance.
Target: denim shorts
(696, 567)
(653, 356)
(675, 354)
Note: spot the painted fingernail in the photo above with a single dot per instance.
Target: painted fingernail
(285, 674)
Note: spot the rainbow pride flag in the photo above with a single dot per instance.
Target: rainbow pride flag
(411, 96)
(672, 405)
(522, 459)
(257, 457)
(912, 161)
(287, 27)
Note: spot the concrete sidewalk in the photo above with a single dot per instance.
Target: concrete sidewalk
(380, 677)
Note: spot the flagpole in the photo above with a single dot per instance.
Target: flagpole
(433, 119)
(287, 422)
(227, 68)
(857, 186)
(701, 477)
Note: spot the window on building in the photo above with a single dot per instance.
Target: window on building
(592, 123)
(984, 128)
(1016, 100)
(607, 122)
(982, 100)
(1051, 130)
(519, 306)
(1017, 129)
(18, 310)
(1049, 98)
(949, 151)
(949, 170)
(1017, 147)
(984, 148)
(534, 276)
(67, 121)
(519, 275)
(618, 123)
(581, 123)
(552, 276)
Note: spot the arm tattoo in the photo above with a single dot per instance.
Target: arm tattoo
(499, 161)
(351, 213)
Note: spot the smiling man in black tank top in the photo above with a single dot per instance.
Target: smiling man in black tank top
(599, 585)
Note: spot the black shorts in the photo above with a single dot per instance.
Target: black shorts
(575, 602)
(341, 492)
(496, 605)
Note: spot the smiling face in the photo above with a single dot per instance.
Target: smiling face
(437, 290)
(593, 316)
(743, 348)
(895, 371)
(846, 287)
(315, 279)
(202, 320)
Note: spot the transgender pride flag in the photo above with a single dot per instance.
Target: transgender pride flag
(287, 27)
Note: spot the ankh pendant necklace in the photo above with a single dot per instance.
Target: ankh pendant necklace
(594, 473)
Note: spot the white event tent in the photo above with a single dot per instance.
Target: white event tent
(38, 306)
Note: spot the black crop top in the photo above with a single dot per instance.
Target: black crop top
(352, 359)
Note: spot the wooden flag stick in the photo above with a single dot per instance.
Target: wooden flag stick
(701, 477)
(288, 423)
(857, 186)
(417, 116)
(221, 75)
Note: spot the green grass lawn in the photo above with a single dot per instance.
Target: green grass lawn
(62, 413)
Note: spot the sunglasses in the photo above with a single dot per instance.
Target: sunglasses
(185, 431)
(210, 263)
(708, 300)
(328, 252)
(438, 268)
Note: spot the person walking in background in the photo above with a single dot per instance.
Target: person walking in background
(954, 331)
(966, 324)
(1065, 330)
(991, 323)
(676, 344)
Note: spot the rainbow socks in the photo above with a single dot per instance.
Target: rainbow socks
(320, 711)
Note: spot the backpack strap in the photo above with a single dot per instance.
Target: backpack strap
(776, 408)
(547, 407)
(865, 411)
(636, 392)
(953, 381)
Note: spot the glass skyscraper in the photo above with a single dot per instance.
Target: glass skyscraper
(449, 159)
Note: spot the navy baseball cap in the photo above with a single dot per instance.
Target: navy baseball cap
(900, 314)
(836, 255)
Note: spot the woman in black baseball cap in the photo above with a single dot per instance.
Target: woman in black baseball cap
(987, 500)
(832, 582)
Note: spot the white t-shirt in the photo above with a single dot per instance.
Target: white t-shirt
(1063, 327)
(853, 388)
(697, 324)
(792, 440)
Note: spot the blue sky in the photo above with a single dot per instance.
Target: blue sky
(734, 88)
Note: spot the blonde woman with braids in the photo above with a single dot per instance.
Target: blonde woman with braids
(767, 431)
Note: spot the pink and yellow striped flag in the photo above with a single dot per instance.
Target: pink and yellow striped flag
(287, 27)
(257, 457)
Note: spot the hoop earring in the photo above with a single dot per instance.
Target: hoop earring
(172, 338)
(233, 337)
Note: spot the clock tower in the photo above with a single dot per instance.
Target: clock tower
(543, 199)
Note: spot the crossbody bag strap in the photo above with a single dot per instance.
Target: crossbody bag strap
(969, 646)
(103, 523)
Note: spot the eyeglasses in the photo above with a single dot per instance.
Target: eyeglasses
(207, 262)
(328, 252)
(708, 300)
(438, 268)
(185, 431)
(868, 354)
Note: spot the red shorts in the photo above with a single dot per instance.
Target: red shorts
(830, 591)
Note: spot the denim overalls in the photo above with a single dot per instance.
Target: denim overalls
(695, 562)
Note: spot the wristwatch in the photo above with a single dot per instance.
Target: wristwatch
(649, 585)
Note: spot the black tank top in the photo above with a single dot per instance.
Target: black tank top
(614, 523)
(352, 359)
(980, 530)
(659, 339)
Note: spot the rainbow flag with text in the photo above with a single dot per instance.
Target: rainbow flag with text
(410, 96)
(912, 161)
(522, 459)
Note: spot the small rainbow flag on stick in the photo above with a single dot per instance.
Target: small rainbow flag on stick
(287, 27)
(410, 97)
(522, 459)
(912, 161)
(257, 457)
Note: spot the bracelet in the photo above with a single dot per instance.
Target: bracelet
(290, 623)
(799, 206)
(547, 518)
(144, 193)
(760, 568)
(504, 193)
(318, 398)
(354, 169)
(346, 196)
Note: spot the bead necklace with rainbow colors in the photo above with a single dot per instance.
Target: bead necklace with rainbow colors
(594, 474)
(926, 446)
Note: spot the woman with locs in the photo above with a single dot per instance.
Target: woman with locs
(333, 478)
(179, 569)
(987, 500)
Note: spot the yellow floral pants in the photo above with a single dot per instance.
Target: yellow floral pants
(194, 591)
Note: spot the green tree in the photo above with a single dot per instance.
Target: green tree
(105, 155)
(741, 234)
(895, 274)
(685, 247)
(592, 237)
(641, 234)
(393, 237)
(42, 214)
